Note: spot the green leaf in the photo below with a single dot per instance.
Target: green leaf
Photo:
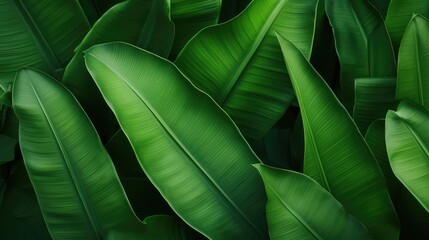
(407, 144)
(7, 148)
(299, 208)
(362, 42)
(186, 144)
(190, 16)
(231, 8)
(413, 62)
(239, 63)
(375, 138)
(373, 97)
(40, 34)
(90, 8)
(143, 19)
(381, 6)
(74, 178)
(399, 14)
(336, 155)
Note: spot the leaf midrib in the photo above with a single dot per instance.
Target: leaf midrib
(233, 82)
(43, 46)
(69, 170)
(182, 147)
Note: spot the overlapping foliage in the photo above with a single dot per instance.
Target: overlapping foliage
(194, 119)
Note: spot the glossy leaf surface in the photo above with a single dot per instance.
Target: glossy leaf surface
(362, 42)
(75, 181)
(186, 144)
(299, 208)
(40, 34)
(413, 62)
(336, 155)
(239, 63)
(407, 144)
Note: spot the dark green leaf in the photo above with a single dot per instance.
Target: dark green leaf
(7, 148)
(239, 63)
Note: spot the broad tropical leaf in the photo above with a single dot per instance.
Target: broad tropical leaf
(90, 8)
(239, 63)
(407, 144)
(336, 155)
(186, 144)
(40, 34)
(7, 148)
(399, 14)
(299, 208)
(143, 19)
(375, 138)
(373, 97)
(74, 178)
(413, 62)
(190, 16)
(362, 42)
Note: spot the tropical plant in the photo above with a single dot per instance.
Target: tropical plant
(195, 119)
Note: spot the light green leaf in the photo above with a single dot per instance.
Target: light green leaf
(399, 15)
(7, 148)
(362, 42)
(373, 97)
(336, 155)
(239, 63)
(40, 34)
(413, 62)
(74, 178)
(186, 144)
(134, 21)
(407, 144)
(190, 16)
(299, 208)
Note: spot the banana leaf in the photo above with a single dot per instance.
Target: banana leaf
(190, 16)
(186, 144)
(373, 97)
(336, 155)
(381, 6)
(407, 144)
(413, 62)
(399, 14)
(143, 19)
(363, 44)
(75, 181)
(239, 63)
(299, 208)
(90, 8)
(40, 34)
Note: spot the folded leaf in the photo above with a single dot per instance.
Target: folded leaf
(373, 97)
(134, 21)
(413, 62)
(75, 181)
(362, 42)
(407, 144)
(299, 208)
(399, 15)
(186, 144)
(239, 63)
(190, 16)
(40, 34)
(336, 155)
